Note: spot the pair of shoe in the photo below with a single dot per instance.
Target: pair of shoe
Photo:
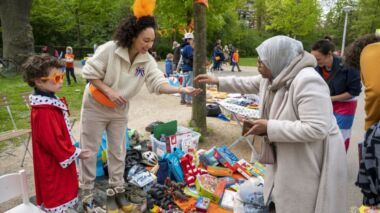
(182, 102)
(116, 198)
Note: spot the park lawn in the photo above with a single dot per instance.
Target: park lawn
(251, 62)
(13, 87)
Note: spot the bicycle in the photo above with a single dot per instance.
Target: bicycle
(8, 67)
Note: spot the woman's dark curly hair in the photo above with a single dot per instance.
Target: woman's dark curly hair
(130, 28)
(352, 53)
(37, 66)
(324, 46)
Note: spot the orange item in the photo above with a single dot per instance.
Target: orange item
(100, 97)
(236, 57)
(204, 2)
(143, 8)
(189, 205)
(219, 171)
(69, 56)
(325, 73)
(55, 78)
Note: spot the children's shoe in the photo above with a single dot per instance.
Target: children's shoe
(112, 206)
(132, 189)
(122, 201)
(89, 206)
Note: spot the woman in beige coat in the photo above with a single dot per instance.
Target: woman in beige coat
(310, 171)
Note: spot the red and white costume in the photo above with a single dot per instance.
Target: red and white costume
(54, 154)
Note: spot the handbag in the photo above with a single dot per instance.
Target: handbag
(100, 97)
(263, 150)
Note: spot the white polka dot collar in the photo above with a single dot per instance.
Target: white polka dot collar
(45, 100)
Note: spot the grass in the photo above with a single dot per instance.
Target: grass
(13, 88)
(248, 62)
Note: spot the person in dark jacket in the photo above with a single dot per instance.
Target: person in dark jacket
(344, 83)
(187, 67)
(218, 57)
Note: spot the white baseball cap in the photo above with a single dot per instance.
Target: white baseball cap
(189, 36)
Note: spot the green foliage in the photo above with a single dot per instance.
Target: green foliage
(293, 18)
(76, 22)
(252, 62)
(367, 17)
(334, 22)
(21, 113)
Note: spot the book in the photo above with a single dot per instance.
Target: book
(225, 157)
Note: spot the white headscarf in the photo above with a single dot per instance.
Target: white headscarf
(277, 52)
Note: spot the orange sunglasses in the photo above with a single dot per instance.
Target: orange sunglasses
(55, 78)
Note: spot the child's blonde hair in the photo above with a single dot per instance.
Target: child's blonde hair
(169, 56)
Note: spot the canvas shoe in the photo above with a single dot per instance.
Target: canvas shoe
(122, 201)
(90, 206)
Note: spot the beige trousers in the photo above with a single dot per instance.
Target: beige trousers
(94, 119)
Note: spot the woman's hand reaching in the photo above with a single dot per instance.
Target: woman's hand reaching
(204, 78)
(190, 91)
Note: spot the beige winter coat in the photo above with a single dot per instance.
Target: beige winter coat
(310, 173)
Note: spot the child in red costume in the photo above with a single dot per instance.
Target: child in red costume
(54, 154)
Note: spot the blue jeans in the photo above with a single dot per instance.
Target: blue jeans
(187, 82)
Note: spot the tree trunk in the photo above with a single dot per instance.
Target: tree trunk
(199, 66)
(18, 41)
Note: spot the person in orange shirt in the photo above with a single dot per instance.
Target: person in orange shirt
(69, 59)
(235, 60)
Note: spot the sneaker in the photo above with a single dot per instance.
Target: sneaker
(112, 206)
(122, 201)
(130, 188)
(183, 102)
(90, 206)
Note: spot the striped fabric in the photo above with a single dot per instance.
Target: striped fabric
(344, 113)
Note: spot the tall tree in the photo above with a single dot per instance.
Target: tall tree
(334, 22)
(199, 66)
(18, 42)
(294, 18)
(260, 14)
(367, 17)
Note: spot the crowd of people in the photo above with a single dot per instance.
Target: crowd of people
(308, 101)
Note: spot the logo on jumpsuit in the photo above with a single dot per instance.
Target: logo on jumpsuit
(140, 71)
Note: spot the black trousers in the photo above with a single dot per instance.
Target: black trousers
(70, 71)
